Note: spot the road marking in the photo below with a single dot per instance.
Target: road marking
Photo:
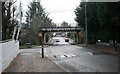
(72, 55)
(87, 53)
(90, 53)
(62, 56)
(67, 55)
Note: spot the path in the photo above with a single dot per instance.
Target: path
(31, 61)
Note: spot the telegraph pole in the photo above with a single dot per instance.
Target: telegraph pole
(86, 40)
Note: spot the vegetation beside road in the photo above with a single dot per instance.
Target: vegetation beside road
(102, 20)
(27, 46)
(9, 19)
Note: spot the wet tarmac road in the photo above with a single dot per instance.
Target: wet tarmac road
(73, 58)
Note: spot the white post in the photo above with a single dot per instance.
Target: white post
(14, 33)
(19, 27)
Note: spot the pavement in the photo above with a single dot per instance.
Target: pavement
(29, 60)
(107, 49)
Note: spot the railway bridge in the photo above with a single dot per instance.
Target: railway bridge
(43, 31)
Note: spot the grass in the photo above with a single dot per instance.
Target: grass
(27, 46)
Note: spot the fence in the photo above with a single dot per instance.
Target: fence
(8, 51)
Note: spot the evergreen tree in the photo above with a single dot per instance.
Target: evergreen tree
(102, 20)
(37, 18)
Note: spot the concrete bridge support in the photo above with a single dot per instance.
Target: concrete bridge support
(45, 34)
(42, 38)
(80, 37)
(77, 37)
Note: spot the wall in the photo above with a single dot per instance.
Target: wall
(0, 20)
(0, 36)
(9, 52)
(0, 58)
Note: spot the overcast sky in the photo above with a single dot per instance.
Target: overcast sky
(60, 10)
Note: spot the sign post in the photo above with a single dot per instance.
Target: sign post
(42, 51)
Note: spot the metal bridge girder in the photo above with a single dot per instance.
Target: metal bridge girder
(58, 29)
